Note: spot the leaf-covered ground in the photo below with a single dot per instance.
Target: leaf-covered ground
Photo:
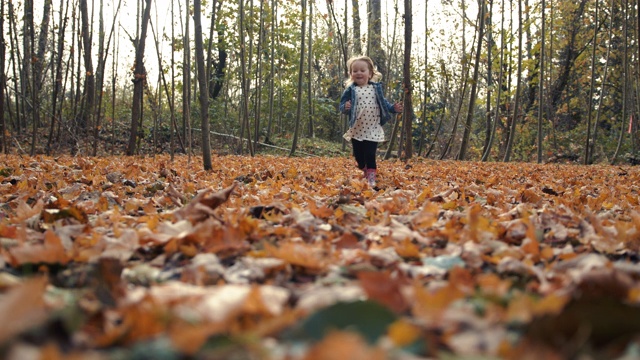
(292, 258)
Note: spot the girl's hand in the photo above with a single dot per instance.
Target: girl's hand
(347, 105)
(398, 107)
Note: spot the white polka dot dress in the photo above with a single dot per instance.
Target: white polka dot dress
(367, 125)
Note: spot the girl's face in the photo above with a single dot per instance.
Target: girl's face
(360, 72)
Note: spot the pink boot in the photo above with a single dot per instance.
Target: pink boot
(371, 177)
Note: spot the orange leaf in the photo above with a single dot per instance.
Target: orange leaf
(22, 308)
(384, 288)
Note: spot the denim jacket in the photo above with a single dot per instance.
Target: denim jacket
(386, 108)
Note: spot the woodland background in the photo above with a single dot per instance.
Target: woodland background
(489, 80)
(116, 243)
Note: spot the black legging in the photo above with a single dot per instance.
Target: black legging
(365, 153)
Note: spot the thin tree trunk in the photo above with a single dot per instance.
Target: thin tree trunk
(57, 87)
(173, 126)
(90, 79)
(490, 46)
(587, 147)
(541, 82)
(186, 81)
(300, 78)
(426, 96)
(172, 101)
(274, 3)
(245, 85)
(357, 23)
(496, 116)
(605, 74)
(39, 61)
(139, 77)
(202, 81)
(474, 85)
(625, 80)
(258, 100)
(102, 62)
(311, 132)
(3, 125)
(27, 50)
(375, 36)
(114, 77)
(407, 116)
(16, 59)
(516, 110)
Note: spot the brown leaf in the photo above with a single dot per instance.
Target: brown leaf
(384, 288)
(202, 206)
(22, 308)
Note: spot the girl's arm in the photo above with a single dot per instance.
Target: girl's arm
(346, 96)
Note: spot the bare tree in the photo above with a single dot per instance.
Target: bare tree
(587, 156)
(357, 41)
(300, 77)
(407, 117)
(374, 36)
(90, 79)
(541, 80)
(103, 53)
(311, 132)
(186, 81)
(57, 86)
(625, 78)
(245, 84)
(516, 106)
(272, 65)
(139, 77)
(474, 84)
(496, 116)
(3, 124)
(202, 81)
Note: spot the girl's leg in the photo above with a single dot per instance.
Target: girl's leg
(359, 153)
(370, 149)
(370, 160)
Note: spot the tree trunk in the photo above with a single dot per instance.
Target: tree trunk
(245, 85)
(311, 133)
(27, 50)
(258, 92)
(541, 82)
(474, 85)
(38, 65)
(3, 125)
(496, 116)
(216, 80)
(516, 106)
(375, 36)
(604, 79)
(407, 116)
(57, 86)
(186, 81)
(272, 73)
(202, 81)
(490, 47)
(300, 78)
(587, 147)
(90, 79)
(139, 77)
(357, 37)
(625, 80)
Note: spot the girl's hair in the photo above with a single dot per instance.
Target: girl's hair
(376, 75)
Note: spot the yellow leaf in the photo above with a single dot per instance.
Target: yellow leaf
(403, 332)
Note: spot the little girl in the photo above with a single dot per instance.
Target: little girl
(368, 110)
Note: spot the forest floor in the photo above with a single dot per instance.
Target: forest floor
(297, 258)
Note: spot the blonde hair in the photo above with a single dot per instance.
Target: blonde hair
(375, 74)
